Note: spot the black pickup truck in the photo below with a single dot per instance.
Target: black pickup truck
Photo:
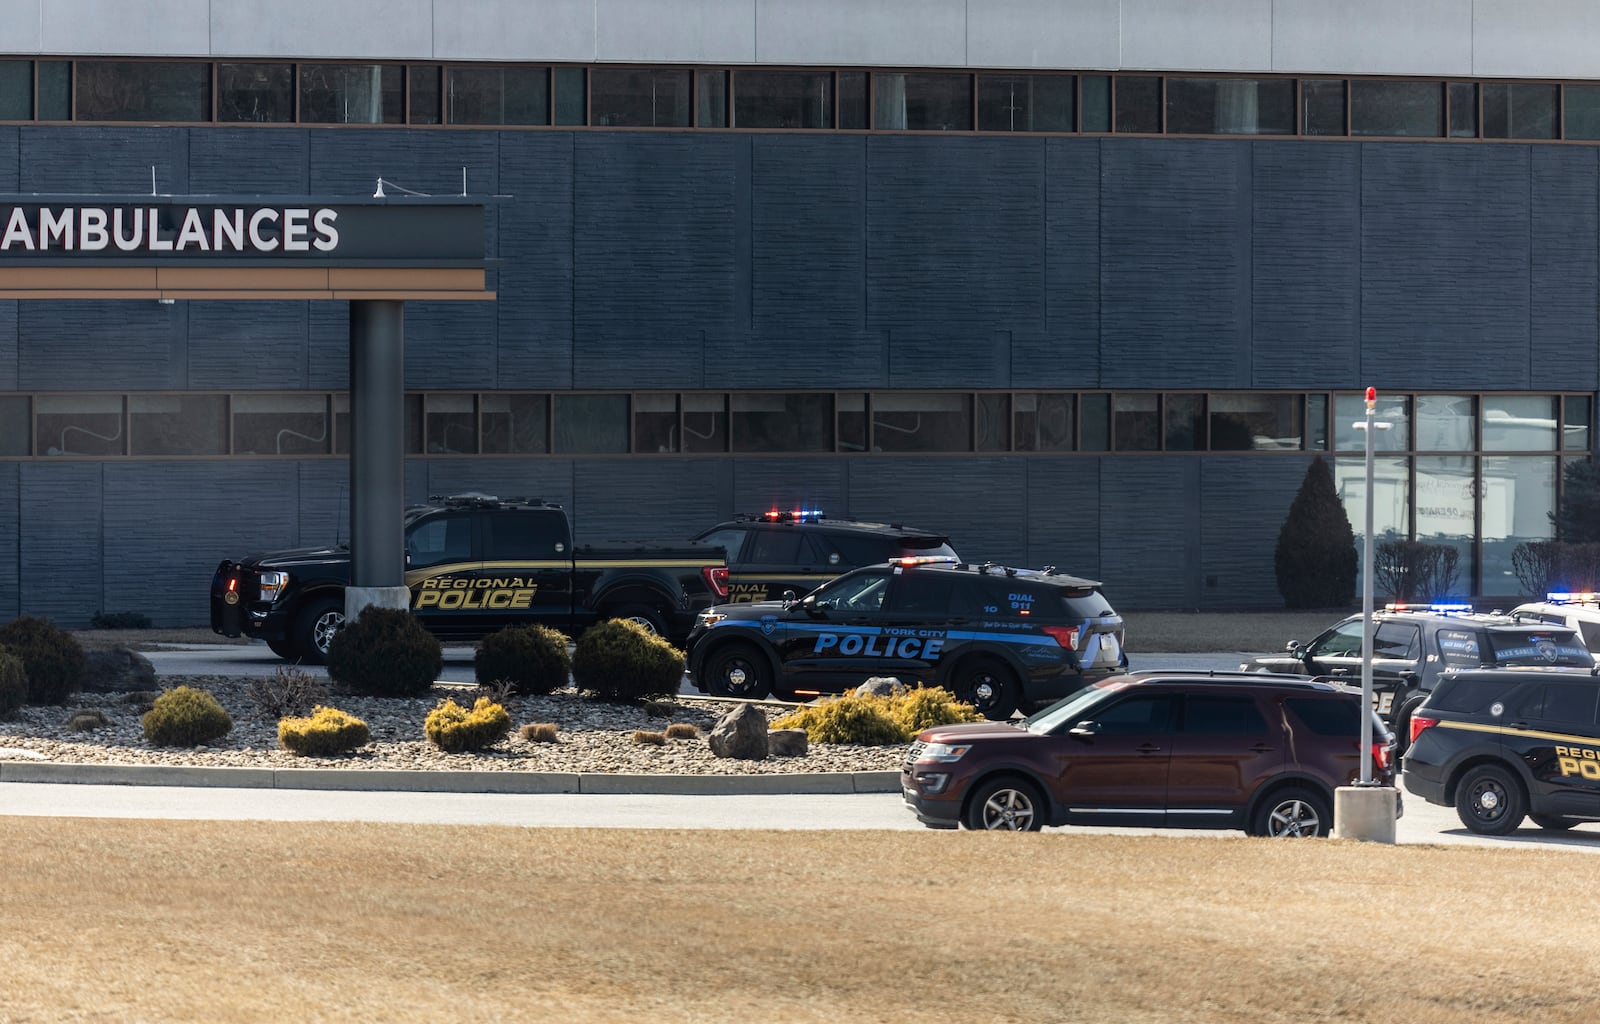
(474, 564)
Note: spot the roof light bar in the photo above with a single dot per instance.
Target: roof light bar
(1572, 597)
(910, 560)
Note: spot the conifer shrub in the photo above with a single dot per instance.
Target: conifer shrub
(13, 684)
(874, 720)
(185, 717)
(619, 660)
(1316, 559)
(51, 656)
(385, 652)
(326, 732)
(922, 708)
(532, 658)
(538, 732)
(455, 730)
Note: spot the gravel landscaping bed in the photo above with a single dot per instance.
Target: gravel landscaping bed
(593, 737)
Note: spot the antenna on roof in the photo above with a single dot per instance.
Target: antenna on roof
(153, 179)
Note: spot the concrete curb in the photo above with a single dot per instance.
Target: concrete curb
(383, 780)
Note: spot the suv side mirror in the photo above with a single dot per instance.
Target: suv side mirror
(789, 597)
(1085, 728)
(1293, 647)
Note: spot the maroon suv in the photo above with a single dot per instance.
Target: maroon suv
(1262, 753)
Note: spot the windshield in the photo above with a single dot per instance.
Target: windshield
(1070, 709)
(1559, 647)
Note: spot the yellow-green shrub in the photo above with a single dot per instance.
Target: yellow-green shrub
(874, 721)
(454, 729)
(185, 717)
(328, 731)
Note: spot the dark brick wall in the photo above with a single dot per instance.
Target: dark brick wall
(731, 261)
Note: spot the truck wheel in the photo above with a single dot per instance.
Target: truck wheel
(988, 686)
(651, 619)
(1490, 801)
(738, 670)
(315, 628)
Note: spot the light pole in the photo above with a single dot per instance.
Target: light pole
(1368, 425)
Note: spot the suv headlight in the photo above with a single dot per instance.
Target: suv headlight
(272, 584)
(945, 752)
(709, 617)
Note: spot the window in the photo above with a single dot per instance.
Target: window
(441, 539)
(1138, 423)
(775, 422)
(1341, 641)
(863, 593)
(1044, 423)
(783, 99)
(711, 88)
(929, 422)
(1467, 694)
(265, 424)
(853, 100)
(591, 424)
(1414, 109)
(498, 95)
(78, 425)
(1391, 413)
(1572, 703)
(1322, 106)
(1135, 716)
(144, 90)
(992, 424)
(16, 90)
(705, 423)
(55, 90)
(351, 93)
(1463, 98)
(1400, 641)
(1222, 716)
(922, 102)
(1575, 419)
(451, 424)
(1326, 717)
(177, 425)
(1518, 496)
(1185, 417)
(1094, 423)
(571, 101)
(1025, 103)
(512, 536)
(1513, 111)
(852, 422)
(1581, 111)
(655, 423)
(255, 92)
(774, 547)
(1519, 423)
(1096, 103)
(1230, 106)
(1242, 422)
(1446, 423)
(1138, 104)
(923, 596)
(730, 541)
(425, 102)
(645, 99)
(515, 424)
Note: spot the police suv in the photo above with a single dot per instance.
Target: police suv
(1507, 744)
(771, 552)
(997, 637)
(1580, 610)
(1413, 644)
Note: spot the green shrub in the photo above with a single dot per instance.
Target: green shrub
(619, 660)
(327, 732)
(385, 652)
(873, 721)
(455, 730)
(185, 717)
(120, 620)
(533, 659)
(13, 683)
(1316, 554)
(50, 655)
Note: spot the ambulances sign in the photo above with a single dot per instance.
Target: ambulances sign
(260, 231)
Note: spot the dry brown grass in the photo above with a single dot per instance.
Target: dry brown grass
(213, 921)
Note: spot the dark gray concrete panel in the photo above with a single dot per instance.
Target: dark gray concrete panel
(168, 524)
(321, 513)
(451, 345)
(1066, 354)
(10, 541)
(546, 479)
(1565, 347)
(1446, 252)
(11, 158)
(665, 502)
(760, 484)
(62, 558)
(534, 303)
(980, 503)
(1305, 265)
(328, 345)
(1062, 512)
(1175, 263)
(82, 158)
(351, 162)
(243, 346)
(239, 161)
(10, 362)
(1147, 516)
(1243, 504)
(96, 346)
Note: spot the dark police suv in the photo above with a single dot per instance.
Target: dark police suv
(1506, 744)
(801, 549)
(996, 637)
(1413, 644)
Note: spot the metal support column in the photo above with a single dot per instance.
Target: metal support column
(377, 456)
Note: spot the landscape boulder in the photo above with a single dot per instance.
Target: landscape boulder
(741, 733)
(117, 670)
(787, 743)
(881, 686)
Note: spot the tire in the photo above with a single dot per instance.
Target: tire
(737, 670)
(1293, 812)
(1550, 824)
(284, 649)
(1490, 801)
(988, 685)
(314, 628)
(1005, 805)
(650, 618)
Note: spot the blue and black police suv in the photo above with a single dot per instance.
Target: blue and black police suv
(997, 637)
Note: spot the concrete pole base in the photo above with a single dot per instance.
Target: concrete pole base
(357, 598)
(1365, 812)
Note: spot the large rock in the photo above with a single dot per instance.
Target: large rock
(881, 686)
(788, 743)
(740, 733)
(116, 670)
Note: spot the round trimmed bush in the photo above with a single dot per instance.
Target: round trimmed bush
(185, 717)
(50, 655)
(455, 730)
(385, 652)
(327, 732)
(13, 683)
(619, 660)
(533, 659)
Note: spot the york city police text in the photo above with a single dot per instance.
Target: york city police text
(891, 643)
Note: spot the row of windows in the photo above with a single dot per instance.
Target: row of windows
(532, 423)
(617, 96)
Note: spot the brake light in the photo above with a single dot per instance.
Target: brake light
(1418, 723)
(716, 577)
(1381, 755)
(1066, 636)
